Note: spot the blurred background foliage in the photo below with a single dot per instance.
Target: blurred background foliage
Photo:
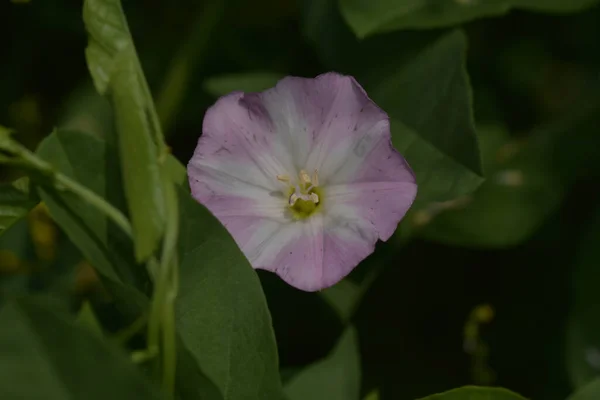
(497, 286)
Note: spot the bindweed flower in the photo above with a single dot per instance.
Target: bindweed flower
(303, 176)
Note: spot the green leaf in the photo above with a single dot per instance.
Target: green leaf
(591, 391)
(176, 171)
(421, 82)
(475, 393)
(430, 93)
(15, 203)
(222, 314)
(583, 345)
(343, 298)
(439, 177)
(336, 377)
(83, 158)
(87, 319)
(367, 17)
(87, 160)
(116, 70)
(221, 85)
(583, 330)
(507, 209)
(373, 395)
(46, 355)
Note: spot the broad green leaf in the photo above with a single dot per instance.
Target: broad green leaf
(222, 314)
(591, 391)
(370, 16)
(87, 319)
(343, 298)
(336, 377)
(46, 355)
(15, 203)
(116, 71)
(221, 85)
(430, 93)
(514, 201)
(439, 177)
(83, 158)
(420, 81)
(475, 393)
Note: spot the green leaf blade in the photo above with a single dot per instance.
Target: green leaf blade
(15, 203)
(475, 393)
(369, 17)
(439, 177)
(69, 361)
(337, 377)
(431, 94)
(591, 391)
(222, 315)
(83, 158)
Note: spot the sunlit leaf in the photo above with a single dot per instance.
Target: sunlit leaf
(337, 377)
(116, 71)
(370, 16)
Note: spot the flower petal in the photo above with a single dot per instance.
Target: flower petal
(382, 204)
(328, 124)
(293, 251)
(325, 122)
(313, 254)
(237, 144)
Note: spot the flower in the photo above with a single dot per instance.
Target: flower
(303, 176)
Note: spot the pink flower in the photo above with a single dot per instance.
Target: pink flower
(303, 176)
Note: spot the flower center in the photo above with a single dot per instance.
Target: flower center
(305, 197)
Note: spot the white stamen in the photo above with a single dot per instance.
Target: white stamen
(304, 177)
(283, 178)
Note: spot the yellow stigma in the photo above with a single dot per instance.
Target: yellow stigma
(304, 198)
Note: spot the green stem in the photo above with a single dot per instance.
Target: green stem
(63, 182)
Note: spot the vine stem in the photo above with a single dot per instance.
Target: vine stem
(62, 182)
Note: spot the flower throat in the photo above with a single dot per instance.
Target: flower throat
(304, 198)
